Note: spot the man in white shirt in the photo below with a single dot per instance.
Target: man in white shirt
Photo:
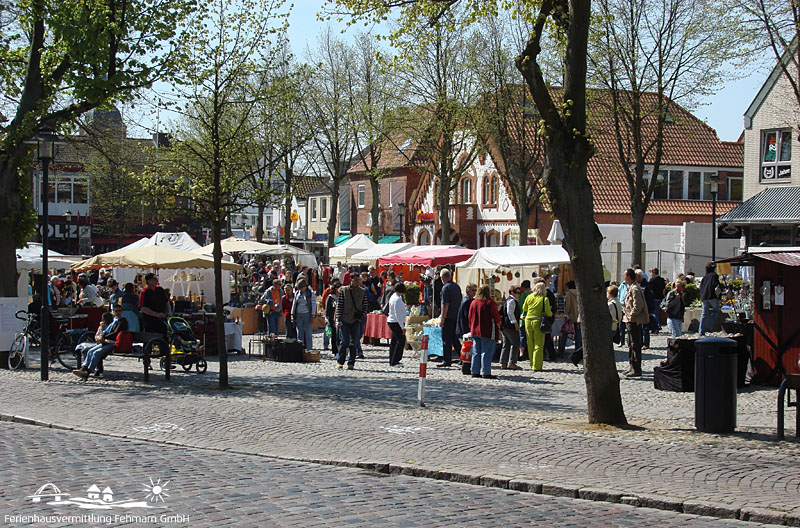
(397, 324)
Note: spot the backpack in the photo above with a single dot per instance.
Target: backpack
(665, 301)
(123, 344)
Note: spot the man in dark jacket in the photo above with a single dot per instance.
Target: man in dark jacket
(462, 325)
(709, 295)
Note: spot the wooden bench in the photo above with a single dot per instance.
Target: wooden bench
(146, 346)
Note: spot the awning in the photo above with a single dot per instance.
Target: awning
(339, 239)
(787, 258)
(773, 205)
(389, 239)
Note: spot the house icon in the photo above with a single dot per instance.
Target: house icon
(108, 495)
(93, 492)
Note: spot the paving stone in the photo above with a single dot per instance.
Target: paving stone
(598, 494)
(710, 509)
(762, 515)
(530, 486)
(529, 425)
(560, 490)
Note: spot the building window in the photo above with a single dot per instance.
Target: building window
(490, 188)
(776, 155)
(67, 189)
(466, 191)
(323, 209)
(361, 195)
(313, 209)
(267, 221)
(390, 195)
(735, 189)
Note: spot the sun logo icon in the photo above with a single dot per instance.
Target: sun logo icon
(156, 491)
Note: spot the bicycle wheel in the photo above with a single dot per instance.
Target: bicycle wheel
(16, 356)
(66, 353)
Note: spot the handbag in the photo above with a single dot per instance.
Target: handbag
(357, 314)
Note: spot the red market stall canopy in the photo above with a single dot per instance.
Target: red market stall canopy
(420, 257)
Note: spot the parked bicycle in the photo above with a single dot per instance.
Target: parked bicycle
(61, 349)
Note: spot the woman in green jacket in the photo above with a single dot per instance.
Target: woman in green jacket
(536, 306)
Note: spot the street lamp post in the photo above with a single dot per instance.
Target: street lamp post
(45, 140)
(68, 218)
(714, 190)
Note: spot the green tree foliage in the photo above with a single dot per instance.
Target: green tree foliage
(59, 59)
(775, 25)
(222, 80)
(372, 93)
(333, 147)
(648, 55)
(511, 120)
(568, 150)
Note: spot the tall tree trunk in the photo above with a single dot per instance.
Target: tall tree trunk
(222, 351)
(11, 209)
(573, 206)
(287, 220)
(637, 220)
(568, 152)
(444, 212)
(333, 218)
(260, 223)
(523, 217)
(375, 231)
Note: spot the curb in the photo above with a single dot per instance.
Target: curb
(742, 512)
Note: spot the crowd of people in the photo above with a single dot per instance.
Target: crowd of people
(287, 296)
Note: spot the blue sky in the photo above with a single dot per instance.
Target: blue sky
(723, 112)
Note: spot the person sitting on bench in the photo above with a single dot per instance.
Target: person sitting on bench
(105, 342)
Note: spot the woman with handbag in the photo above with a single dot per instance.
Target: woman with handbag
(537, 313)
(484, 325)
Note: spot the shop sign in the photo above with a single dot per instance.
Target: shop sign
(425, 217)
(320, 236)
(729, 231)
(62, 231)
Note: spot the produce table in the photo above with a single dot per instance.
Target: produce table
(676, 373)
(249, 317)
(435, 345)
(233, 337)
(376, 328)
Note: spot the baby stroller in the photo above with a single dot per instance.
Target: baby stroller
(185, 349)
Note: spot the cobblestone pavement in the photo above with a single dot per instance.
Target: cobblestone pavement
(208, 488)
(525, 430)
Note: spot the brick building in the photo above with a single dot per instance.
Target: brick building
(677, 231)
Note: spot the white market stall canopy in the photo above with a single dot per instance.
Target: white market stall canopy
(350, 247)
(524, 260)
(154, 252)
(155, 257)
(234, 245)
(491, 258)
(380, 250)
(31, 258)
(305, 258)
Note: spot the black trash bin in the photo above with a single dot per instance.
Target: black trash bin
(715, 385)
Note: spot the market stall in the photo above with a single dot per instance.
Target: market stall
(676, 373)
(776, 302)
(350, 247)
(374, 253)
(301, 256)
(195, 284)
(165, 261)
(511, 265)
